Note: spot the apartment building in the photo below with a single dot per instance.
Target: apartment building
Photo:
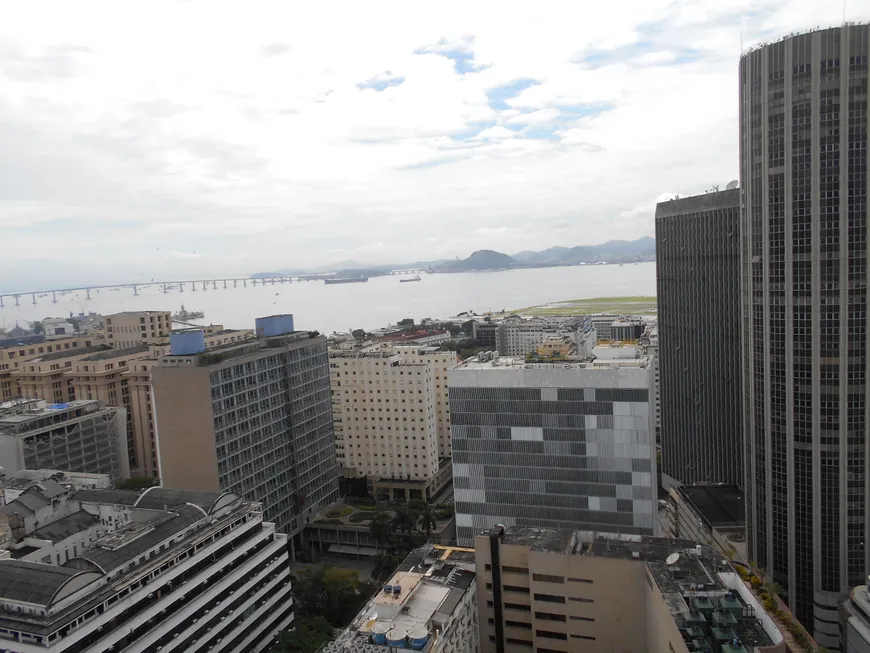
(79, 436)
(15, 351)
(566, 591)
(107, 570)
(429, 605)
(386, 428)
(136, 328)
(252, 418)
(559, 445)
(441, 362)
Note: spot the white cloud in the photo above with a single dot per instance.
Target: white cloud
(262, 139)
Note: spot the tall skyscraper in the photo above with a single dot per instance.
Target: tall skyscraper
(803, 151)
(253, 418)
(698, 280)
(556, 445)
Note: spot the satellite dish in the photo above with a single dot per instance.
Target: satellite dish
(672, 559)
(732, 185)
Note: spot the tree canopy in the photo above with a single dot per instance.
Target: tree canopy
(308, 635)
(334, 593)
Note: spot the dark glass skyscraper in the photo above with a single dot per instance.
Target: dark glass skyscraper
(698, 282)
(803, 151)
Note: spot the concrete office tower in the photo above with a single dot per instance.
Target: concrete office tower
(577, 591)
(803, 142)
(698, 283)
(252, 418)
(96, 571)
(561, 445)
(80, 436)
(386, 428)
(135, 328)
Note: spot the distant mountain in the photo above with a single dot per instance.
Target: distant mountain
(613, 251)
(483, 259)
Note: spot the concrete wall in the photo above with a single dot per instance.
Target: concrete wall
(184, 422)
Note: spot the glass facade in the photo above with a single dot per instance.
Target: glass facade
(274, 431)
(698, 265)
(555, 457)
(803, 139)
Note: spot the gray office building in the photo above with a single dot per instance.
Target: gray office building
(803, 147)
(565, 445)
(79, 436)
(698, 282)
(252, 418)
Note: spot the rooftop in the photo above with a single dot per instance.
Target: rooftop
(431, 583)
(117, 353)
(705, 596)
(605, 358)
(68, 353)
(67, 527)
(33, 582)
(721, 505)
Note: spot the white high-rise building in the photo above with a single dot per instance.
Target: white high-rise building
(108, 570)
(386, 425)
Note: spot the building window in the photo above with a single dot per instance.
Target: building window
(547, 578)
(580, 580)
(518, 624)
(515, 570)
(549, 598)
(551, 635)
(549, 616)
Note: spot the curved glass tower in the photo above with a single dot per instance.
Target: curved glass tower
(803, 153)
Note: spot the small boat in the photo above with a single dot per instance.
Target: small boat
(417, 278)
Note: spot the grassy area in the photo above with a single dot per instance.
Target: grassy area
(634, 305)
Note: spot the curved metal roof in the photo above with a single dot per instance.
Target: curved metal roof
(34, 582)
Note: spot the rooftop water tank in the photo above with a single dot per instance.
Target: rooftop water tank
(379, 632)
(187, 343)
(274, 325)
(388, 589)
(418, 636)
(396, 638)
(397, 589)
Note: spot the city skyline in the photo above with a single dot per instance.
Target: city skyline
(290, 142)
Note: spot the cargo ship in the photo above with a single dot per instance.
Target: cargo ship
(184, 314)
(417, 278)
(346, 280)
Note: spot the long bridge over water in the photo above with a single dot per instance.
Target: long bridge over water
(7, 299)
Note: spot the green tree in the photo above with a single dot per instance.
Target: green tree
(384, 564)
(427, 520)
(407, 322)
(37, 327)
(135, 483)
(405, 519)
(307, 636)
(380, 529)
(468, 327)
(331, 592)
(358, 334)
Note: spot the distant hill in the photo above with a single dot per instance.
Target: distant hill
(613, 251)
(483, 259)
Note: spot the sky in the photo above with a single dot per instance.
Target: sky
(203, 138)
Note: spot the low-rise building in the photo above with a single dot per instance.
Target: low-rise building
(57, 326)
(710, 514)
(519, 337)
(428, 605)
(419, 337)
(157, 571)
(79, 436)
(558, 445)
(855, 621)
(573, 591)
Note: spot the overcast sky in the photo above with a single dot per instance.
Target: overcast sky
(207, 138)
